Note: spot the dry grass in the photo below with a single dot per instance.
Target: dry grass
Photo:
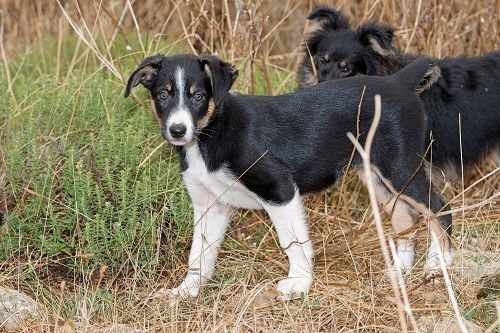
(351, 291)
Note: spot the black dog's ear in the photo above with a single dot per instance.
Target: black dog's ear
(329, 18)
(378, 37)
(222, 76)
(323, 19)
(145, 73)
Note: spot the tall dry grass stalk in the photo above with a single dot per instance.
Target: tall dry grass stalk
(257, 34)
(243, 29)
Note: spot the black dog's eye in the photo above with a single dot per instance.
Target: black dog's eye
(324, 59)
(198, 97)
(163, 95)
(346, 70)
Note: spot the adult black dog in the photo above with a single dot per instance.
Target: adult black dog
(264, 152)
(469, 87)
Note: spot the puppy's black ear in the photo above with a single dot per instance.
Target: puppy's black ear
(145, 73)
(378, 37)
(329, 18)
(222, 76)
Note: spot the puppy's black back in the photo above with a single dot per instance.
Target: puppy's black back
(298, 145)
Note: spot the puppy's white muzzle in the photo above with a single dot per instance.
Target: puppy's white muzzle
(179, 127)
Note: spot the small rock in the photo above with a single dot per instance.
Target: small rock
(264, 297)
(470, 266)
(16, 309)
(435, 297)
(446, 322)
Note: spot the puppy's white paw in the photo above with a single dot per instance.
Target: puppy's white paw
(189, 288)
(405, 254)
(405, 259)
(432, 266)
(184, 291)
(293, 287)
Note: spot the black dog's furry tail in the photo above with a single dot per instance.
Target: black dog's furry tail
(419, 75)
(329, 18)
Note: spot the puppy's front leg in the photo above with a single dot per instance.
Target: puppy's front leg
(293, 235)
(211, 219)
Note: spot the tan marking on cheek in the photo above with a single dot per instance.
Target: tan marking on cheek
(310, 80)
(306, 77)
(202, 122)
(168, 87)
(192, 90)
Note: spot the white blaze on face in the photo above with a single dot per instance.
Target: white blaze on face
(180, 114)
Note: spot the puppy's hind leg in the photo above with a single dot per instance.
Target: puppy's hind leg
(429, 201)
(442, 229)
(402, 219)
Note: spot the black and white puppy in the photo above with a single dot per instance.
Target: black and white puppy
(469, 87)
(264, 152)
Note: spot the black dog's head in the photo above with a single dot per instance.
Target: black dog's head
(333, 50)
(186, 90)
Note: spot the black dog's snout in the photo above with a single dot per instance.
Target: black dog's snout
(177, 131)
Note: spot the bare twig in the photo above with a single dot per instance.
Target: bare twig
(447, 281)
(402, 286)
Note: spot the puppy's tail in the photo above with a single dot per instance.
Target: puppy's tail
(420, 75)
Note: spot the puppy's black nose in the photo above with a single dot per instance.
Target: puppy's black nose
(177, 131)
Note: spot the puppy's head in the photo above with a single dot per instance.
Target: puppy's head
(186, 90)
(334, 50)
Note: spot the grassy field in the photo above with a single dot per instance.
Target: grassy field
(95, 213)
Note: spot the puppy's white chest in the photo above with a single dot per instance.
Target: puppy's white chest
(220, 183)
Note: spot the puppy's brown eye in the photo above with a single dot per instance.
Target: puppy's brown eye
(346, 70)
(324, 59)
(198, 97)
(163, 95)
